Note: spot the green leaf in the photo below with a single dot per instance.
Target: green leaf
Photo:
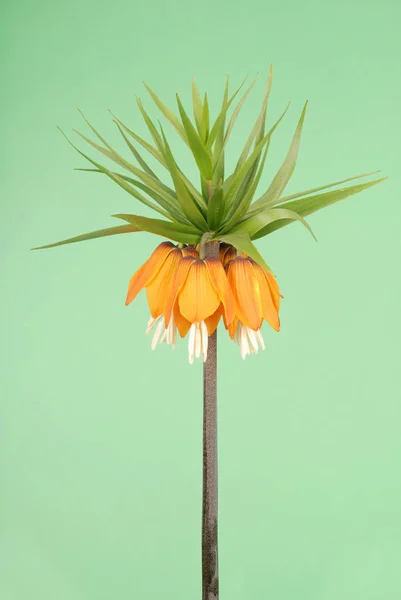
(171, 213)
(197, 104)
(324, 187)
(268, 216)
(123, 183)
(239, 176)
(188, 206)
(310, 204)
(248, 196)
(174, 231)
(200, 152)
(170, 116)
(243, 243)
(205, 124)
(283, 175)
(237, 110)
(258, 129)
(215, 209)
(155, 184)
(93, 235)
(137, 155)
(151, 149)
(152, 129)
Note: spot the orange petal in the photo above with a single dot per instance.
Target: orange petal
(149, 269)
(232, 327)
(220, 282)
(275, 290)
(179, 280)
(198, 299)
(159, 289)
(213, 320)
(182, 324)
(269, 310)
(190, 251)
(245, 287)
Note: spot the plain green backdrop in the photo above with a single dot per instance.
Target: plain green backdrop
(101, 437)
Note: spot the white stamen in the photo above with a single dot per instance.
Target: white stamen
(157, 334)
(260, 339)
(169, 333)
(198, 341)
(205, 340)
(244, 344)
(252, 338)
(191, 343)
(151, 323)
(249, 340)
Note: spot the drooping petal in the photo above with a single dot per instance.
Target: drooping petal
(275, 290)
(220, 282)
(179, 280)
(269, 310)
(245, 287)
(148, 270)
(159, 289)
(213, 321)
(197, 299)
(190, 251)
(181, 322)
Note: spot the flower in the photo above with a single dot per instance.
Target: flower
(184, 293)
(256, 298)
(157, 275)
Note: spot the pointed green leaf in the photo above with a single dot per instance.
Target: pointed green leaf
(197, 105)
(283, 175)
(324, 187)
(201, 154)
(174, 231)
(93, 235)
(151, 149)
(215, 209)
(170, 116)
(243, 243)
(237, 110)
(239, 176)
(137, 155)
(172, 212)
(268, 216)
(152, 129)
(205, 124)
(258, 129)
(310, 204)
(189, 208)
(123, 183)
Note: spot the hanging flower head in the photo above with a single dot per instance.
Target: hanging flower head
(188, 290)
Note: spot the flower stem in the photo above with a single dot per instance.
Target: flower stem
(210, 574)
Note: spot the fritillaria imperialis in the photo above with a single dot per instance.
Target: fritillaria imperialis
(213, 273)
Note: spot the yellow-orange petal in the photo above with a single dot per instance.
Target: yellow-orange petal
(232, 327)
(183, 325)
(269, 310)
(274, 288)
(198, 298)
(229, 255)
(245, 287)
(179, 280)
(159, 289)
(190, 251)
(220, 282)
(213, 320)
(148, 270)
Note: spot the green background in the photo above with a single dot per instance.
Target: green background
(100, 436)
